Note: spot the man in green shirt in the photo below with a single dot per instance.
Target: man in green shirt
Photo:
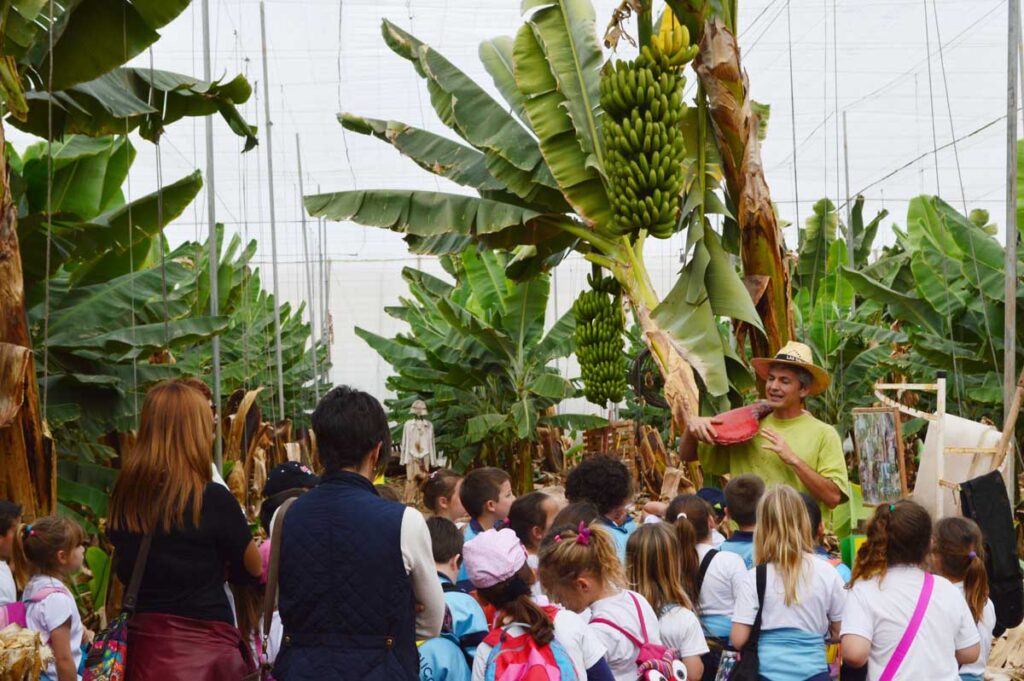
(792, 447)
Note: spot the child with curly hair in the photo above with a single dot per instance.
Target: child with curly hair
(900, 621)
(605, 482)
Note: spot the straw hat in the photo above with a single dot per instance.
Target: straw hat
(419, 408)
(795, 355)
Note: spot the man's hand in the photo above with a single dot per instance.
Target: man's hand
(703, 428)
(776, 443)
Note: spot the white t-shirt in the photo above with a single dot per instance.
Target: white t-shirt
(717, 538)
(8, 591)
(536, 590)
(583, 648)
(985, 627)
(880, 612)
(722, 582)
(621, 609)
(681, 631)
(820, 599)
(50, 613)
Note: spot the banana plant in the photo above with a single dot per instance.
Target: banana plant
(537, 164)
(115, 295)
(847, 334)
(477, 354)
(942, 287)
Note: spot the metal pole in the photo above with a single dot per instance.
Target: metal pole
(940, 413)
(273, 223)
(792, 122)
(1010, 319)
(211, 211)
(849, 223)
(309, 273)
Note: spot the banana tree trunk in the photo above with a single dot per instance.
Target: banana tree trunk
(735, 125)
(522, 474)
(27, 462)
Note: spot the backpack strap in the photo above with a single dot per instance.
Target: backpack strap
(632, 639)
(41, 594)
(704, 564)
(903, 647)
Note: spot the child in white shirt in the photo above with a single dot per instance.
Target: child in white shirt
(653, 565)
(958, 554)
(888, 583)
(803, 597)
(51, 550)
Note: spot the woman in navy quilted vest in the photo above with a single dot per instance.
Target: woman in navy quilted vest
(357, 579)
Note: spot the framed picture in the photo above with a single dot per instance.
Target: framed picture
(879, 446)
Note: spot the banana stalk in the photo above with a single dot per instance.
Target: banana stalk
(625, 262)
(736, 126)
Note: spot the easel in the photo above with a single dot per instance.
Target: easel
(939, 388)
(999, 452)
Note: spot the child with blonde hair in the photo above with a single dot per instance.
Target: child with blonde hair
(580, 568)
(49, 551)
(958, 554)
(716, 576)
(901, 622)
(654, 570)
(803, 596)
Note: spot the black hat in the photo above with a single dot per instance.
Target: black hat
(716, 498)
(289, 475)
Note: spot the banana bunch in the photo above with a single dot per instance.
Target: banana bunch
(643, 104)
(673, 46)
(599, 342)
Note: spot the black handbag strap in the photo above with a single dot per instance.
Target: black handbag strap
(761, 573)
(704, 564)
(131, 596)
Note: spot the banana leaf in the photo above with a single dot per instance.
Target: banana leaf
(563, 146)
(565, 30)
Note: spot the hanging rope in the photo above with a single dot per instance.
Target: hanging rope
(344, 132)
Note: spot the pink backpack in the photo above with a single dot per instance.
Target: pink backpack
(14, 613)
(654, 662)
